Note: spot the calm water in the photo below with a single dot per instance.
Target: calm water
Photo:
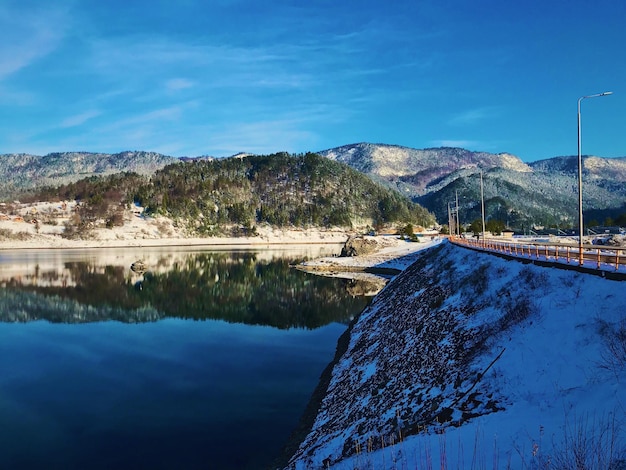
(205, 361)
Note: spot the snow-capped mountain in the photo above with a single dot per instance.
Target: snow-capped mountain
(419, 167)
(538, 193)
(467, 358)
(542, 193)
(20, 172)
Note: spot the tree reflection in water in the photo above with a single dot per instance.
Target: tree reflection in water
(236, 287)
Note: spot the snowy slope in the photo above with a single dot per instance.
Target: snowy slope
(541, 193)
(20, 172)
(467, 358)
(396, 161)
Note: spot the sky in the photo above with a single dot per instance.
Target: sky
(218, 77)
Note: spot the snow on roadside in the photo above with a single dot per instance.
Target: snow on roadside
(545, 376)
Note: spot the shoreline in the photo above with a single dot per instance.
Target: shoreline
(391, 256)
(107, 238)
(396, 257)
(307, 420)
(177, 243)
(46, 225)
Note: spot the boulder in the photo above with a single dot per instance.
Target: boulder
(139, 267)
(358, 246)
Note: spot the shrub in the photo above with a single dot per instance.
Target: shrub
(614, 338)
(591, 445)
(6, 234)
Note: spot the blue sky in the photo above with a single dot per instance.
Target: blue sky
(217, 77)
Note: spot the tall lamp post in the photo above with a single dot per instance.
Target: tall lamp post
(482, 205)
(580, 179)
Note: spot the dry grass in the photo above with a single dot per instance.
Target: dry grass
(614, 342)
(586, 443)
(6, 234)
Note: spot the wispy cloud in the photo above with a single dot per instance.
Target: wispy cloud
(140, 127)
(474, 116)
(220, 65)
(259, 91)
(79, 119)
(176, 84)
(11, 96)
(28, 34)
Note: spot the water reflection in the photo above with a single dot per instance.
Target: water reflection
(79, 392)
(256, 288)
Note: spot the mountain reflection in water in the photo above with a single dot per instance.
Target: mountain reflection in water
(155, 388)
(237, 287)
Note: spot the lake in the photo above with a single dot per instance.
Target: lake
(205, 360)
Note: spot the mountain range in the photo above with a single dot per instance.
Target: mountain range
(21, 172)
(541, 193)
(523, 195)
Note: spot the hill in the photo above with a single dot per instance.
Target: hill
(24, 172)
(279, 189)
(232, 196)
(543, 193)
(520, 195)
(466, 357)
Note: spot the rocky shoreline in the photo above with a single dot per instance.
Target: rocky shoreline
(463, 341)
(351, 267)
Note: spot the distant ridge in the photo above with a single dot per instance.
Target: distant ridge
(542, 193)
(420, 167)
(524, 195)
(22, 172)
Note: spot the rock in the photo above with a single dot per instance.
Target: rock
(358, 246)
(139, 267)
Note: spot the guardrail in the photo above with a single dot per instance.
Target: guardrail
(592, 256)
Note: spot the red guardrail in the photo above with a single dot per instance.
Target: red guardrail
(600, 256)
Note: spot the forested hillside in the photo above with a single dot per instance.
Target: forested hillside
(247, 189)
(23, 172)
(209, 197)
(520, 195)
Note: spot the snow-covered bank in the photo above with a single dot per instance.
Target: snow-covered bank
(371, 272)
(467, 358)
(392, 252)
(42, 225)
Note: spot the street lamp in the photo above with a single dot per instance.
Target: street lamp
(580, 179)
(482, 205)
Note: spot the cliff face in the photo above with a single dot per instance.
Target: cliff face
(463, 340)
